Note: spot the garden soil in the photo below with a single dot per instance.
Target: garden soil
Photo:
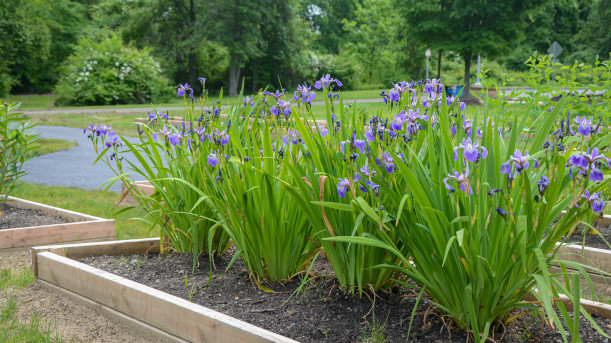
(321, 312)
(594, 240)
(13, 217)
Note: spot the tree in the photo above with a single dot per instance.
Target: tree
(236, 24)
(469, 27)
(325, 19)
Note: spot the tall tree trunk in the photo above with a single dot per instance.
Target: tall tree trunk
(439, 65)
(467, 94)
(191, 49)
(234, 78)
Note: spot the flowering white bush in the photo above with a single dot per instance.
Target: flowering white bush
(106, 72)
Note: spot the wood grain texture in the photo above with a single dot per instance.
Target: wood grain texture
(171, 314)
(68, 215)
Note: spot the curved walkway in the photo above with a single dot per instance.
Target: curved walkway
(72, 167)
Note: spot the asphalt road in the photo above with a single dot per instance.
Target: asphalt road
(72, 167)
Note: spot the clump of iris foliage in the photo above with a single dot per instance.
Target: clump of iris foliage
(469, 209)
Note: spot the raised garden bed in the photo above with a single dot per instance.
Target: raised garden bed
(232, 293)
(58, 226)
(143, 187)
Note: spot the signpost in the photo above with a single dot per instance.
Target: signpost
(555, 49)
(428, 54)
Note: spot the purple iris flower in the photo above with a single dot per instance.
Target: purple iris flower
(450, 100)
(587, 161)
(389, 163)
(292, 136)
(501, 212)
(276, 95)
(92, 128)
(212, 159)
(366, 170)
(585, 125)
(326, 81)
(462, 106)
(324, 132)
(182, 89)
(462, 179)
(249, 101)
(453, 129)
(219, 137)
(342, 186)
(282, 107)
(394, 95)
(596, 203)
(370, 136)
(467, 126)
(471, 150)
(543, 183)
(202, 80)
(519, 161)
(113, 140)
(174, 138)
(356, 144)
(304, 93)
(374, 187)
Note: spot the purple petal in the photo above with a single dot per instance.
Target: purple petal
(505, 168)
(596, 175)
(597, 205)
(471, 155)
(484, 152)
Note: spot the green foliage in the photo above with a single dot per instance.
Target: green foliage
(104, 71)
(16, 139)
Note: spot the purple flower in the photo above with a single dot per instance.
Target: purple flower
(394, 95)
(597, 204)
(467, 126)
(462, 180)
(520, 162)
(202, 80)
(369, 136)
(212, 159)
(282, 107)
(326, 81)
(389, 163)
(587, 161)
(342, 187)
(174, 138)
(292, 136)
(366, 170)
(453, 128)
(374, 187)
(304, 93)
(462, 106)
(182, 89)
(219, 137)
(249, 101)
(543, 183)
(585, 125)
(276, 95)
(113, 140)
(501, 212)
(471, 150)
(354, 144)
(324, 132)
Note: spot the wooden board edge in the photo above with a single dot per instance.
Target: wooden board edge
(52, 210)
(103, 229)
(137, 300)
(115, 316)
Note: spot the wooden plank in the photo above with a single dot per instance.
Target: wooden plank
(592, 307)
(57, 233)
(599, 258)
(144, 331)
(68, 215)
(166, 312)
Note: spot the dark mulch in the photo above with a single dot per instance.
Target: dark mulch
(13, 217)
(321, 313)
(593, 240)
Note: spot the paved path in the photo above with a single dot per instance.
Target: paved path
(72, 167)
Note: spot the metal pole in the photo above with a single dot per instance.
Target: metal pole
(478, 81)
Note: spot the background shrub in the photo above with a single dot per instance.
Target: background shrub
(103, 72)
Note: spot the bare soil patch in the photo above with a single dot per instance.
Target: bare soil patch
(584, 236)
(13, 217)
(320, 313)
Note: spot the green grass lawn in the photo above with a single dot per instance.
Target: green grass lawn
(95, 203)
